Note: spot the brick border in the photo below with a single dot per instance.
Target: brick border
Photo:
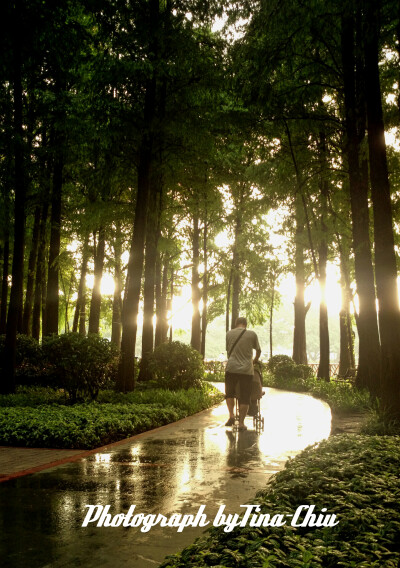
(85, 453)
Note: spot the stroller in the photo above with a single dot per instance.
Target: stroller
(256, 394)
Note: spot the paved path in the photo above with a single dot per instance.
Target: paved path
(174, 469)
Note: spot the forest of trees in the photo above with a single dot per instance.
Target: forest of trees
(134, 133)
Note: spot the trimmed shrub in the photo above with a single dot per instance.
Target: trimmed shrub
(81, 365)
(276, 360)
(29, 360)
(176, 365)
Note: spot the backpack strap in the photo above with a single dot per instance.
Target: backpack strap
(234, 345)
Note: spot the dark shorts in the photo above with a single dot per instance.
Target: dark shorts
(245, 385)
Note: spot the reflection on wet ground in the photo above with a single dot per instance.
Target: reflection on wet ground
(174, 470)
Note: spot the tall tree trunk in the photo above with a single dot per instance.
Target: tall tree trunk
(346, 359)
(126, 369)
(385, 256)
(27, 316)
(117, 299)
(369, 347)
(228, 301)
(195, 340)
(80, 308)
(171, 331)
(323, 367)
(204, 292)
(236, 273)
(7, 383)
(52, 298)
(95, 304)
(158, 298)
(161, 306)
(152, 236)
(40, 280)
(4, 280)
(271, 314)
(300, 309)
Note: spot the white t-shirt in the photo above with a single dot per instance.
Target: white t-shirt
(241, 359)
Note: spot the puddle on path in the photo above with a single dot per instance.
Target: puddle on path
(175, 470)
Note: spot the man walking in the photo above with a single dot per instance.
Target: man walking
(240, 343)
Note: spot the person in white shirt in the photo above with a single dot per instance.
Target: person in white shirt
(240, 343)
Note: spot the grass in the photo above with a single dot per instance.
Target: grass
(43, 417)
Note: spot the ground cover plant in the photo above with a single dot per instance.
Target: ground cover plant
(283, 373)
(46, 418)
(354, 477)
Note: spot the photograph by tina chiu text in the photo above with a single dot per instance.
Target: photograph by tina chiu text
(303, 516)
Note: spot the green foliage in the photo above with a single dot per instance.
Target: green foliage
(343, 474)
(29, 359)
(276, 360)
(379, 422)
(341, 396)
(39, 417)
(82, 365)
(176, 365)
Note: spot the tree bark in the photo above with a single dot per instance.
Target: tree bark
(152, 236)
(228, 301)
(346, 358)
(79, 323)
(95, 304)
(7, 383)
(369, 347)
(161, 335)
(52, 298)
(126, 369)
(4, 281)
(300, 309)
(385, 256)
(236, 273)
(117, 299)
(271, 314)
(27, 316)
(195, 340)
(323, 367)
(204, 291)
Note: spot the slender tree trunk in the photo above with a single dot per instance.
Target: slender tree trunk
(7, 383)
(161, 307)
(117, 299)
(126, 370)
(323, 368)
(195, 340)
(27, 316)
(236, 272)
(300, 309)
(152, 236)
(4, 281)
(171, 331)
(95, 304)
(369, 347)
(204, 291)
(80, 308)
(271, 314)
(52, 298)
(40, 281)
(346, 359)
(385, 256)
(158, 298)
(228, 301)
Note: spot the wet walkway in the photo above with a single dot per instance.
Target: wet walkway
(175, 469)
